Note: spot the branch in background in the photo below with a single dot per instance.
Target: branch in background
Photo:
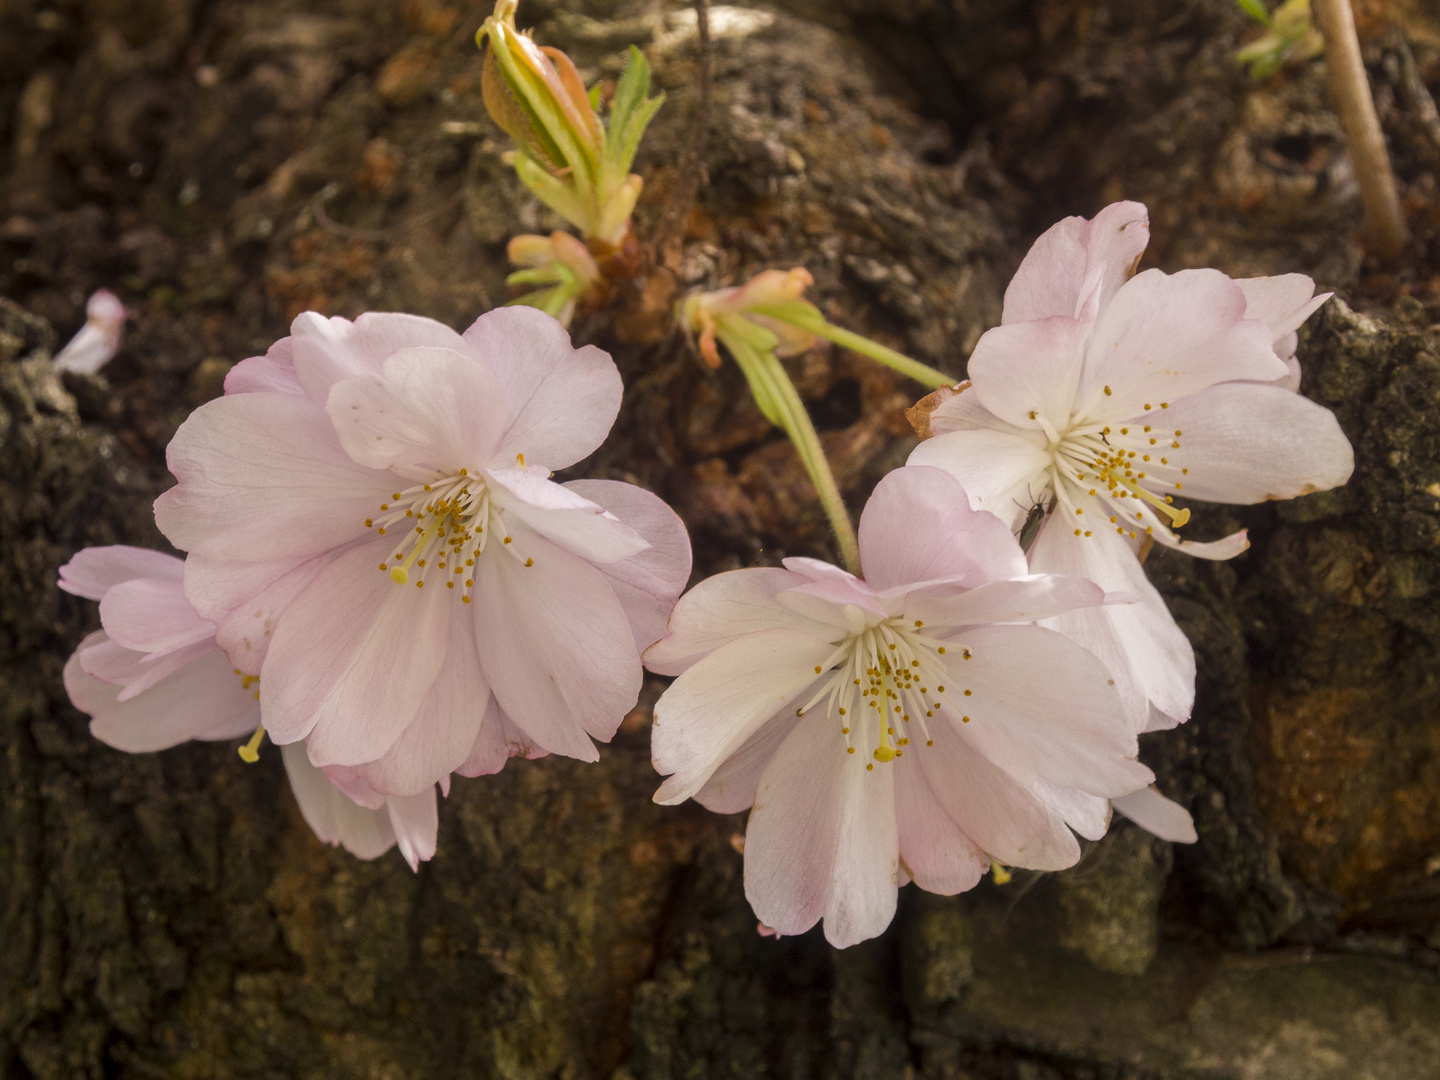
(1350, 90)
(671, 233)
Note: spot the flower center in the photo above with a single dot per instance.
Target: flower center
(447, 523)
(880, 680)
(1122, 467)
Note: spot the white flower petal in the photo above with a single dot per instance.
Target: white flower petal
(428, 408)
(416, 821)
(1148, 656)
(721, 609)
(563, 515)
(498, 740)
(1245, 443)
(263, 478)
(934, 850)
(822, 840)
(245, 634)
(1158, 815)
(440, 738)
(1003, 473)
(352, 658)
(919, 526)
(272, 373)
(1021, 600)
(326, 351)
(1088, 815)
(1068, 727)
(1023, 372)
(203, 700)
(1074, 258)
(1165, 336)
(1004, 818)
(92, 572)
(718, 703)
(731, 787)
(216, 587)
(562, 400)
(649, 582)
(330, 813)
(151, 615)
(555, 646)
(1282, 303)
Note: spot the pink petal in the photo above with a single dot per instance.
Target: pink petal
(1067, 727)
(1023, 372)
(1245, 443)
(563, 515)
(203, 700)
(332, 816)
(1146, 653)
(1002, 473)
(416, 821)
(150, 670)
(1004, 818)
(1088, 815)
(216, 587)
(1165, 336)
(429, 408)
(1074, 258)
(555, 645)
(440, 738)
(721, 609)
(934, 850)
(352, 658)
(822, 839)
(263, 478)
(649, 582)
(272, 373)
(151, 615)
(826, 589)
(245, 634)
(1218, 550)
(1282, 303)
(329, 350)
(94, 571)
(562, 400)
(498, 740)
(1022, 600)
(709, 712)
(918, 526)
(1156, 814)
(731, 787)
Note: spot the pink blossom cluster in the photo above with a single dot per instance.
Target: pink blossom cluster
(383, 576)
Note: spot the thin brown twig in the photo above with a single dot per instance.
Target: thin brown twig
(671, 232)
(1350, 90)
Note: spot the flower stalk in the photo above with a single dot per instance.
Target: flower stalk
(577, 164)
(561, 265)
(753, 348)
(1350, 89)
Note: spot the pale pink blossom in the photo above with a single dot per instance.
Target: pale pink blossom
(912, 725)
(98, 340)
(1111, 396)
(362, 483)
(154, 678)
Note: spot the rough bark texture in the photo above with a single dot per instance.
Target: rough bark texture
(226, 165)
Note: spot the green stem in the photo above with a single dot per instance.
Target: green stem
(807, 317)
(780, 402)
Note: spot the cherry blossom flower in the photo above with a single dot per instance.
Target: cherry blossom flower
(1105, 398)
(154, 678)
(98, 340)
(908, 726)
(362, 483)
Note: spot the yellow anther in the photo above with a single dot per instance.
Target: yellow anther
(250, 752)
(998, 872)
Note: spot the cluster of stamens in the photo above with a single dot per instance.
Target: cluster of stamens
(446, 524)
(882, 679)
(1122, 467)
